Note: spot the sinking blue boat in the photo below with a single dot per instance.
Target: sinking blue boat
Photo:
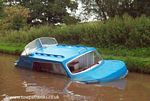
(80, 63)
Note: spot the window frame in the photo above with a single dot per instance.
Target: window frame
(93, 66)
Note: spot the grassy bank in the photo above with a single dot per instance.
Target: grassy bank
(10, 48)
(137, 60)
(125, 38)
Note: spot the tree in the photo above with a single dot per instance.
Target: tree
(111, 8)
(47, 11)
(15, 17)
(1, 8)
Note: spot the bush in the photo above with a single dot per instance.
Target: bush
(116, 32)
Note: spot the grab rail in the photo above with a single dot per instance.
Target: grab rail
(51, 55)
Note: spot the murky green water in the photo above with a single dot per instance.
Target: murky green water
(18, 84)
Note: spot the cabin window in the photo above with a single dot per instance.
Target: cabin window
(84, 62)
(49, 67)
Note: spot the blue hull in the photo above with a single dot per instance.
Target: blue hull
(107, 71)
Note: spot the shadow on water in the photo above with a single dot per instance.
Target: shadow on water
(16, 83)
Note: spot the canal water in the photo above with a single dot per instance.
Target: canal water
(19, 84)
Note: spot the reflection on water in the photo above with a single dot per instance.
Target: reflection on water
(35, 84)
(16, 83)
(120, 84)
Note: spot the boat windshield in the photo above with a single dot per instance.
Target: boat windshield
(46, 41)
(84, 62)
(39, 43)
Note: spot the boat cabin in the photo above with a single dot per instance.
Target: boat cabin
(49, 56)
(78, 62)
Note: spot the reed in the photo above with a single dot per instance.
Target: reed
(116, 32)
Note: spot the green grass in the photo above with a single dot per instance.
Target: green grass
(9, 48)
